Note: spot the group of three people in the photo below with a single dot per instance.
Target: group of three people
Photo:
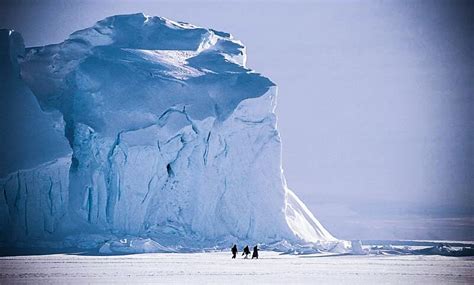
(246, 251)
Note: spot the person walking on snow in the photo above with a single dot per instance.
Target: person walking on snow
(246, 251)
(255, 252)
(234, 251)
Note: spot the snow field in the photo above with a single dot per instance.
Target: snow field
(219, 268)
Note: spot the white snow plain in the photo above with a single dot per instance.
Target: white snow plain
(218, 267)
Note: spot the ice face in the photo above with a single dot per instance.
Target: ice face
(34, 154)
(173, 137)
(29, 136)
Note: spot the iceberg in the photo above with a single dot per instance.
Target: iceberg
(148, 128)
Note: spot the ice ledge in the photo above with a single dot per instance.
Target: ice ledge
(302, 222)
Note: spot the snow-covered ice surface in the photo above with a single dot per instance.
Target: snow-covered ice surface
(219, 268)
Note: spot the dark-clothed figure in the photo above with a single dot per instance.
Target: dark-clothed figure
(255, 252)
(246, 251)
(234, 251)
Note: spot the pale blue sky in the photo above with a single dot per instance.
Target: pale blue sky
(376, 100)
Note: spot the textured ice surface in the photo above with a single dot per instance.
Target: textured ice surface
(174, 139)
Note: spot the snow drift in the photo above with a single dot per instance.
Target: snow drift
(165, 134)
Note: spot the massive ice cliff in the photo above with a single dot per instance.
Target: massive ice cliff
(145, 127)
